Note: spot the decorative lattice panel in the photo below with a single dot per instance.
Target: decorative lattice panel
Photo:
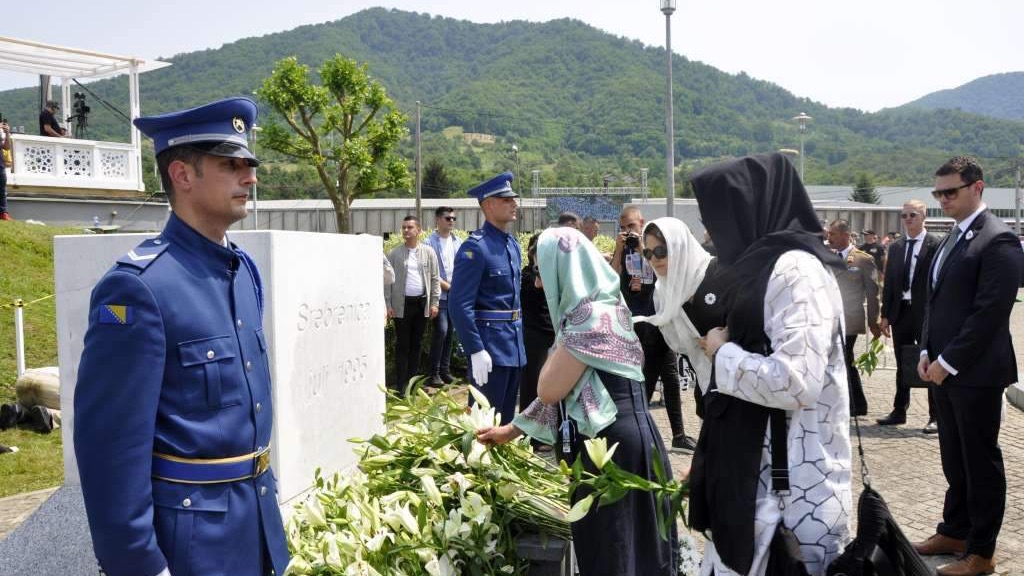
(78, 162)
(114, 164)
(39, 160)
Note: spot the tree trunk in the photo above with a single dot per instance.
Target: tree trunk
(343, 216)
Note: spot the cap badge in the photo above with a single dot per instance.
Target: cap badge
(238, 124)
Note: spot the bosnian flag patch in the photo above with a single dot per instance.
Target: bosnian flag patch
(115, 314)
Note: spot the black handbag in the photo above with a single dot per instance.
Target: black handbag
(910, 356)
(880, 547)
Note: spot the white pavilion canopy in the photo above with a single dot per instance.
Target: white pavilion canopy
(67, 162)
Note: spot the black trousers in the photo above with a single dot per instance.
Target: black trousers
(905, 332)
(660, 360)
(969, 420)
(409, 341)
(858, 402)
(537, 344)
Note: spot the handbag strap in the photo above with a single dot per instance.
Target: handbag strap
(865, 475)
(780, 453)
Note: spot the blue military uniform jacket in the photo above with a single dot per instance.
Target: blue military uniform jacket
(487, 279)
(175, 362)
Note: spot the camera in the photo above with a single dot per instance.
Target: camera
(79, 106)
(632, 241)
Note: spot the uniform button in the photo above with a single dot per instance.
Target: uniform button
(259, 407)
(186, 502)
(157, 242)
(238, 322)
(248, 365)
(263, 490)
(210, 354)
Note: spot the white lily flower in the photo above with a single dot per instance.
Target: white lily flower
(478, 397)
(475, 509)
(375, 543)
(599, 452)
(407, 520)
(333, 558)
(508, 490)
(430, 489)
(297, 566)
(476, 454)
(447, 454)
(314, 512)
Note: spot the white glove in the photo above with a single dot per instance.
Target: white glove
(481, 362)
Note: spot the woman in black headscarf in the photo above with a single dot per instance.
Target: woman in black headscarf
(780, 353)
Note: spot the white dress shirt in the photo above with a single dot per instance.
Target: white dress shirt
(918, 242)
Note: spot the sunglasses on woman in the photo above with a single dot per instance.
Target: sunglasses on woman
(659, 252)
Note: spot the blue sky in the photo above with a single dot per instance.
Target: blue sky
(868, 54)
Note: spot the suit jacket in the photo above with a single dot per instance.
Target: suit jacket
(394, 294)
(967, 320)
(892, 290)
(859, 283)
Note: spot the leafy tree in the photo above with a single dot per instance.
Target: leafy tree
(864, 190)
(436, 183)
(346, 128)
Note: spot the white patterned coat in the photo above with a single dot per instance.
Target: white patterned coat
(806, 377)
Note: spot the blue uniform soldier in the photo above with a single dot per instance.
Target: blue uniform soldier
(173, 401)
(484, 299)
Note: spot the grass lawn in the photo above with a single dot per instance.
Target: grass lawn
(26, 272)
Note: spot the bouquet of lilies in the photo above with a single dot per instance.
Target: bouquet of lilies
(427, 498)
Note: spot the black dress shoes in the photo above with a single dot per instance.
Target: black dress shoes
(892, 419)
(447, 378)
(37, 419)
(9, 416)
(932, 427)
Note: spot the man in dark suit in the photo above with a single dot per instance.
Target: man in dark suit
(903, 299)
(966, 351)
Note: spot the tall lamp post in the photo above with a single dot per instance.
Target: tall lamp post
(515, 155)
(802, 120)
(255, 208)
(667, 8)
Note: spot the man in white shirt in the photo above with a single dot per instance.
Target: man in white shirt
(445, 245)
(967, 352)
(903, 299)
(412, 299)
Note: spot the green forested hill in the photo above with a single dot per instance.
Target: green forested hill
(579, 103)
(998, 95)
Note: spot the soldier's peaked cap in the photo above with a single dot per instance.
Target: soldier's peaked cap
(498, 187)
(219, 128)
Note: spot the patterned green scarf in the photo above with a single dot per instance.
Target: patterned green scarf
(592, 322)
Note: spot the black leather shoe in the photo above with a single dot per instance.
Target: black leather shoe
(9, 416)
(892, 419)
(37, 419)
(932, 427)
(436, 381)
(447, 378)
(683, 443)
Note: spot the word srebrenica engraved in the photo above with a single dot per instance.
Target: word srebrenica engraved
(328, 315)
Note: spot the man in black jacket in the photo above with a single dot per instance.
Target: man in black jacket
(966, 351)
(903, 299)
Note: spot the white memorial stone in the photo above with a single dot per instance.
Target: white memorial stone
(324, 318)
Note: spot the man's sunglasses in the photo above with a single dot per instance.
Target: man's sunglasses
(449, 218)
(909, 215)
(950, 193)
(659, 252)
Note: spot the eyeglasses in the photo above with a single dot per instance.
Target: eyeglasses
(659, 252)
(909, 215)
(449, 218)
(949, 193)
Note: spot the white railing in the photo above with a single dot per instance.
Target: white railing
(69, 163)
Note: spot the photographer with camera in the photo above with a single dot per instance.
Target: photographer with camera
(636, 281)
(48, 125)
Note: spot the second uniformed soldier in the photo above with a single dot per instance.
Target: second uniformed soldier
(173, 400)
(484, 302)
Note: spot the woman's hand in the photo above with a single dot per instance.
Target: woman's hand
(714, 340)
(491, 436)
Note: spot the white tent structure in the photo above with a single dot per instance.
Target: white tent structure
(62, 165)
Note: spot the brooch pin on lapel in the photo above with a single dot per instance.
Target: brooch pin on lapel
(710, 298)
(970, 234)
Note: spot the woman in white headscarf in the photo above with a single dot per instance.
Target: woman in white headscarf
(685, 298)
